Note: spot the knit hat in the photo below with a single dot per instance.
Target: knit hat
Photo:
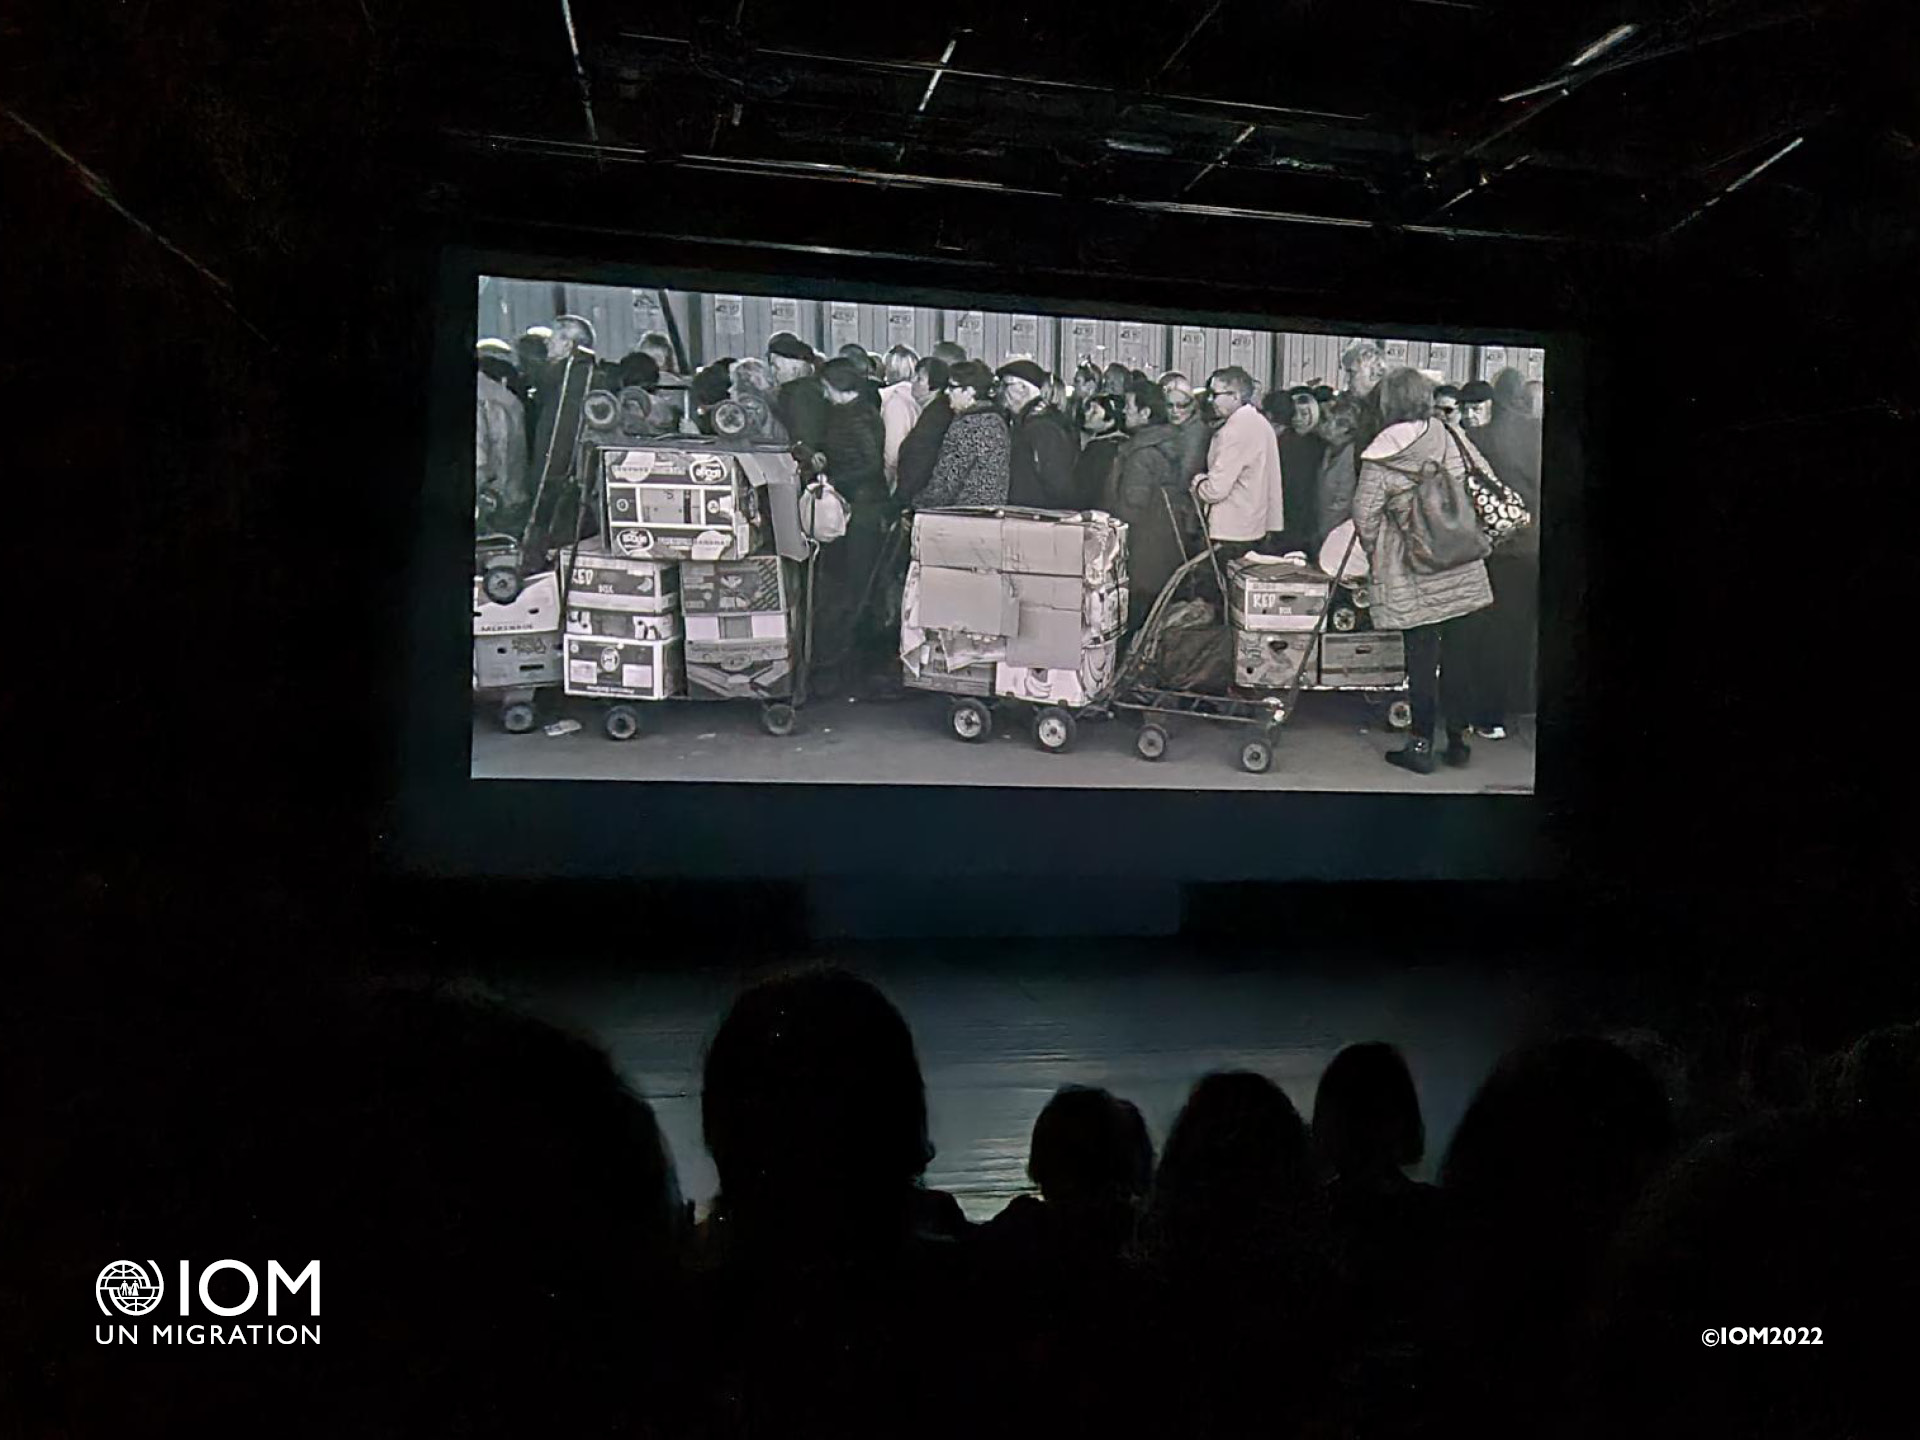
(1023, 370)
(844, 374)
(1475, 392)
(712, 385)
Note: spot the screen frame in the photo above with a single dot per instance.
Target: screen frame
(438, 821)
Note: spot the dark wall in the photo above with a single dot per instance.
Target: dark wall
(220, 490)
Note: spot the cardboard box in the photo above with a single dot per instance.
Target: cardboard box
(536, 610)
(1269, 659)
(1087, 544)
(1275, 596)
(766, 625)
(1059, 685)
(506, 662)
(975, 679)
(624, 669)
(1366, 658)
(755, 583)
(737, 653)
(621, 624)
(978, 602)
(668, 465)
(770, 679)
(605, 581)
(1049, 639)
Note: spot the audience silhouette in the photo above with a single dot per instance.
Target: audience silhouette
(507, 1252)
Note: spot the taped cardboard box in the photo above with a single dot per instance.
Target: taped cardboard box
(621, 624)
(1368, 658)
(759, 680)
(767, 625)
(1059, 685)
(669, 465)
(1103, 608)
(682, 522)
(977, 601)
(1269, 659)
(625, 669)
(751, 584)
(507, 662)
(974, 679)
(599, 578)
(1088, 544)
(1275, 595)
(535, 611)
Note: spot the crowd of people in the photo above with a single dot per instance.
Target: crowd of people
(1184, 467)
(507, 1251)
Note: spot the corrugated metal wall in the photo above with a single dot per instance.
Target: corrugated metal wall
(714, 325)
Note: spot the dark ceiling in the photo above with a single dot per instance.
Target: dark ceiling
(1402, 114)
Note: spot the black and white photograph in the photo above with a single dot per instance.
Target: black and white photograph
(1255, 559)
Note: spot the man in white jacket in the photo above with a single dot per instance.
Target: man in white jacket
(1241, 485)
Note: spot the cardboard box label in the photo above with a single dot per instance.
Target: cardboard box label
(711, 628)
(622, 624)
(599, 579)
(681, 543)
(536, 610)
(663, 465)
(705, 506)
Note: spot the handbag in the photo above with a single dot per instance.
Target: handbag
(1497, 505)
(824, 513)
(1441, 527)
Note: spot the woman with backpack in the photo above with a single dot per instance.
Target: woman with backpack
(1426, 554)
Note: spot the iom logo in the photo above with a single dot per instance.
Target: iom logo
(129, 1288)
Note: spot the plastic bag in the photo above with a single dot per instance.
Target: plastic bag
(823, 513)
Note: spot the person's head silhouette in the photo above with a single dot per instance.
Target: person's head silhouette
(1366, 1114)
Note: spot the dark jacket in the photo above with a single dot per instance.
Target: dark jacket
(1511, 444)
(1339, 477)
(973, 467)
(854, 445)
(921, 448)
(1196, 438)
(1146, 480)
(1041, 468)
(1093, 469)
(802, 405)
(1300, 457)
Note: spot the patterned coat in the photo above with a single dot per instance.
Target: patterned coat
(974, 464)
(1389, 469)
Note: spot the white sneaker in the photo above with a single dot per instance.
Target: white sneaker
(1491, 732)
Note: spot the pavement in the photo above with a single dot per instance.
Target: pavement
(1334, 742)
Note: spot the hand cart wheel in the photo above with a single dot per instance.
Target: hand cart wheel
(622, 722)
(1345, 619)
(517, 718)
(1256, 757)
(777, 718)
(1053, 730)
(1151, 743)
(502, 584)
(1400, 715)
(970, 721)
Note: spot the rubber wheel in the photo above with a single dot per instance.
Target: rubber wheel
(517, 718)
(970, 721)
(1345, 619)
(622, 722)
(1151, 742)
(502, 585)
(1256, 757)
(777, 718)
(1053, 730)
(1400, 715)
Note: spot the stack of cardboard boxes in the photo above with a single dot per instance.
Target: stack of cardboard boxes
(680, 504)
(742, 627)
(1275, 606)
(1025, 603)
(517, 646)
(624, 638)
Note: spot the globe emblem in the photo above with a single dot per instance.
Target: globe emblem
(128, 1285)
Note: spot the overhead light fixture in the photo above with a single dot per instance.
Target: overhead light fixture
(1613, 39)
(1138, 147)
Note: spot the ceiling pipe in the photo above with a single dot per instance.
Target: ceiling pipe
(1766, 164)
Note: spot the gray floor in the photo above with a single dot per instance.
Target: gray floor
(1335, 742)
(1000, 1029)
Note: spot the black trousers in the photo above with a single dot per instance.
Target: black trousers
(851, 629)
(1434, 678)
(1497, 645)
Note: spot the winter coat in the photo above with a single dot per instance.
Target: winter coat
(855, 450)
(1093, 470)
(974, 464)
(1144, 482)
(1511, 444)
(1389, 473)
(1300, 458)
(801, 405)
(1338, 477)
(921, 449)
(1196, 438)
(898, 412)
(1242, 483)
(1041, 461)
(500, 455)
